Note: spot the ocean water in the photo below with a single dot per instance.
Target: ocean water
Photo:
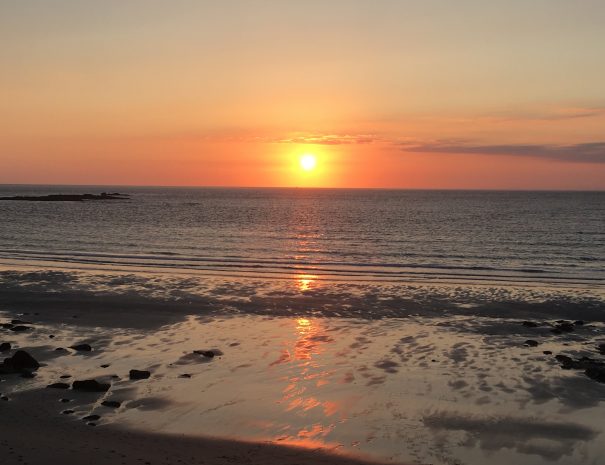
(545, 238)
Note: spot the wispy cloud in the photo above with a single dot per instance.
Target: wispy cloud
(589, 152)
(328, 139)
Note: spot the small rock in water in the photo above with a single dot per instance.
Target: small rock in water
(58, 386)
(28, 374)
(531, 343)
(91, 417)
(4, 398)
(530, 324)
(563, 327)
(90, 385)
(596, 372)
(20, 328)
(20, 322)
(139, 374)
(7, 325)
(579, 322)
(5, 347)
(601, 348)
(64, 401)
(81, 347)
(61, 349)
(67, 412)
(547, 352)
(111, 403)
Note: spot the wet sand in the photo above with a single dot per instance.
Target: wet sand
(302, 372)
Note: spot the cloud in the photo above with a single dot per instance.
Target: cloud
(329, 139)
(589, 152)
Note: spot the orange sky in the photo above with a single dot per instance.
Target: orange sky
(385, 94)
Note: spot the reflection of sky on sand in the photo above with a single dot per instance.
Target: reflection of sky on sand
(413, 390)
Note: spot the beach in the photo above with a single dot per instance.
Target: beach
(200, 345)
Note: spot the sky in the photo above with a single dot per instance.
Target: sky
(389, 94)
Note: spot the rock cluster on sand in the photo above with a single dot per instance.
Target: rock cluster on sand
(19, 362)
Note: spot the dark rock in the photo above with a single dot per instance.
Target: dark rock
(65, 376)
(90, 385)
(28, 374)
(91, 418)
(205, 353)
(530, 324)
(64, 401)
(596, 372)
(20, 361)
(67, 412)
(583, 363)
(111, 404)
(61, 349)
(139, 374)
(601, 348)
(563, 327)
(579, 322)
(7, 325)
(81, 347)
(51, 336)
(20, 322)
(547, 352)
(531, 343)
(185, 375)
(4, 398)
(91, 424)
(58, 386)
(20, 328)
(106, 365)
(5, 347)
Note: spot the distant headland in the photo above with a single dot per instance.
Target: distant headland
(68, 197)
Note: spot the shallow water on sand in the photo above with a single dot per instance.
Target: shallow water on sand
(408, 390)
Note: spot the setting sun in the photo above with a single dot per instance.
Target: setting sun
(308, 162)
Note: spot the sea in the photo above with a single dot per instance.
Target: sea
(538, 238)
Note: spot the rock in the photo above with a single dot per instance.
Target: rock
(601, 348)
(106, 365)
(64, 401)
(205, 353)
(563, 327)
(185, 375)
(81, 347)
(530, 324)
(28, 374)
(5, 347)
(90, 385)
(547, 352)
(579, 322)
(531, 343)
(20, 328)
(91, 418)
(596, 372)
(58, 386)
(111, 404)
(583, 363)
(139, 374)
(7, 325)
(20, 322)
(4, 398)
(20, 361)
(61, 349)
(91, 423)
(65, 376)
(51, 336)
(67, 412)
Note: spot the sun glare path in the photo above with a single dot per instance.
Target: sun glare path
(308, 162)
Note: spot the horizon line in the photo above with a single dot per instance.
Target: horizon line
(193, 186)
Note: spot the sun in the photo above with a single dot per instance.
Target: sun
(308, 161)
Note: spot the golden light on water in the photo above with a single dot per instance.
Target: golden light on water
(305, 281)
